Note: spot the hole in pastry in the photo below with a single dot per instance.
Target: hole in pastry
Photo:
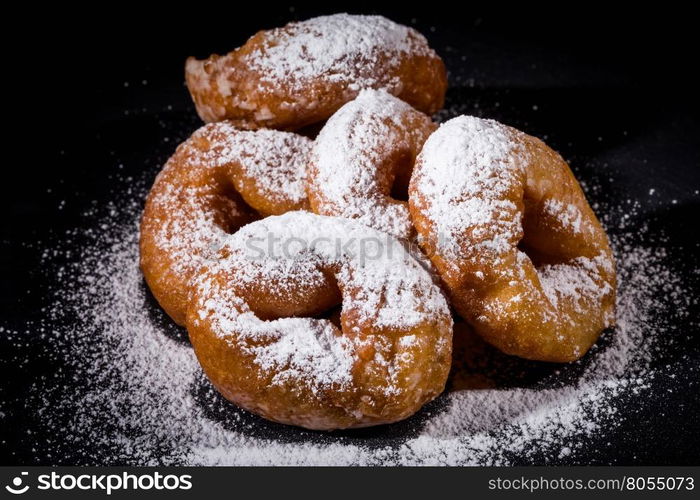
(404, 169)
(538, 241)
(399, 190)
(536, 257)
(332, 314)
(299, 300)
(231, 210)
(311, 130)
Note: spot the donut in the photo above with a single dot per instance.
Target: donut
(217, 180)
(289, 77)
(522, 255)
(257, 326)
(364, 151)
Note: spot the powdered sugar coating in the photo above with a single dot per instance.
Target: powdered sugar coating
(390, 290)
(301, 73)
(198, 198)
(339, 47)
(273, 161)
(193, 231)
(251, 323)
(294, 349)
(468, 166)
(477, 185)
(357, 156)
(567, 214)
(132, 393)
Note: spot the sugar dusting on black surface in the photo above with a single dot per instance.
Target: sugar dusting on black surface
(132, 392)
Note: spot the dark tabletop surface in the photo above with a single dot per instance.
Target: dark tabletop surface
(586, 80)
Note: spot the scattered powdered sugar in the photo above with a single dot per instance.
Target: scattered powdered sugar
(354, 151)
(135, 393)
(129, 390)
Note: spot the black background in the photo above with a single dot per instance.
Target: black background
(67, 70)
(599, 78)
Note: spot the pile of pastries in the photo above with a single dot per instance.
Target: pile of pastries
(318, 234)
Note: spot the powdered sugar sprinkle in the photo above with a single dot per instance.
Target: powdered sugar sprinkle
(390, 290)
(326, 45)
(351, 157)
(132, 391)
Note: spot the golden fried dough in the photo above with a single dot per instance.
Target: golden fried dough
(217, 180)
(253, 321)
(289, 77)
(522, 254)
(366, 149)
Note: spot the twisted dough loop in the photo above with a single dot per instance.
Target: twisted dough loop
(365, 149)
(218, 180)
(289, 77)
(522, 254)
(252, 327)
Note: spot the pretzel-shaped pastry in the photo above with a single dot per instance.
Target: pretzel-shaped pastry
(300, 74)
(253, 322)
(522, 254)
